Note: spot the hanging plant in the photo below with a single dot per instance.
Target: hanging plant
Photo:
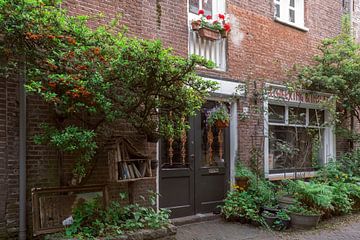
(219, 117)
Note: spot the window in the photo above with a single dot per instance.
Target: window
(290, 12)
(211, 50)
(295, 138)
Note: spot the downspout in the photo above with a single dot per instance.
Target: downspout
(22, 158)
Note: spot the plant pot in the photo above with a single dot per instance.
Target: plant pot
(269, 220)
(286, 201)
(304, 221)
(269, 209)
(195, 25)
(224, 34)
(242, 182)
(221, 124)
(209, 34)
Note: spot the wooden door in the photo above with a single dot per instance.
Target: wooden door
(193, 178)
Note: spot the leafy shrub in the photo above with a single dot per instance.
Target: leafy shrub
(349, 163)
(92, 220)
(314, 195)
(240, 204)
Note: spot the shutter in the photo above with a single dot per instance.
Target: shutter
(299, 13)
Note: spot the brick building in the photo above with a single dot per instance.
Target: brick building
(267, 38)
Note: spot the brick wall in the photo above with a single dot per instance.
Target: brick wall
(259, 50)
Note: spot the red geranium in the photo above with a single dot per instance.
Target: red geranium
(227, 27)
(208, 17)
(201, 12)
(221, 16)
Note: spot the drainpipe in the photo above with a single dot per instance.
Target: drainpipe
(22, 158)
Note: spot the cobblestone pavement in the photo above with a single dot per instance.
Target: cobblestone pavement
(341, 228)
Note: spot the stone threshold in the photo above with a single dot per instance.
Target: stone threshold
(200, 217)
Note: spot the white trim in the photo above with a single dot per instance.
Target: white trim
(290, 175)
(233, 140)
(288, 23)
(228, 88)
(158, 175)
(329, 147)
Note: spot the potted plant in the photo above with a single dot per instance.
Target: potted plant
(269, 218)
(219, 117)
(242, 176)
(283, 220)
(303, 217)
(209, 28)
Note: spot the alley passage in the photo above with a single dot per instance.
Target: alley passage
(341, 228)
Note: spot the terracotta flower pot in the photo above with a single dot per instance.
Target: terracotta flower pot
(221, 124)
(242, 182)
(195, 25)
(224, 34)
(209, 34)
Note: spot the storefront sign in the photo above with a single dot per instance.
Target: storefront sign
(280, 93)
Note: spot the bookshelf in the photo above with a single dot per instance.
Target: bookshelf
(127, 164)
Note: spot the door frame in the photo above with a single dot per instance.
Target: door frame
(228, 92)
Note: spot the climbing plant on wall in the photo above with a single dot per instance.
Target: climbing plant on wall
(92, 77)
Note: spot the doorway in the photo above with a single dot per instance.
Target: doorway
(194, 169)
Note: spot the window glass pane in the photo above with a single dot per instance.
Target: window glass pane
(194, 6)
(276, 114)
(277, 10)
(292, 3)
(297, 115)
(210, 145)
(207, 6)
(292, 15)
(316, 117)
(295, 148)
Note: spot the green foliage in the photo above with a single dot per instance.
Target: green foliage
(72, 139)
(240, 204)
(242, 171)
(304, 210)
(337, 71)
(92, 77)
(92, 220)
(220, 113)
(349, 163)
(314, 195)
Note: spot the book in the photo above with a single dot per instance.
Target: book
(143, 169)
(136, 171)
(131, 171)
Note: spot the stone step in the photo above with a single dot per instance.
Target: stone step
(200, 217)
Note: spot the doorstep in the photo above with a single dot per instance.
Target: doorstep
(200, 217)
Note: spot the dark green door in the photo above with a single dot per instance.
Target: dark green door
(194, 170)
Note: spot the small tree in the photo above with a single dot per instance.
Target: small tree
(337, 71)
(91, 78)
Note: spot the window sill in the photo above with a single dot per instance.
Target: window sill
(302, 28)
(282, 176)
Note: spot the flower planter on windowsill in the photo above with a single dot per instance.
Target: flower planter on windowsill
(209, 34)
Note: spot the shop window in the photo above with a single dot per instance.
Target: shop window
(296, 138)
(290, 12)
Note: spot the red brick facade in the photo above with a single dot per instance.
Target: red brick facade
(259, 50)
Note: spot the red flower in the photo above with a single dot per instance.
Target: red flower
(227, 27)
(215, 22)
(208, 17)
(201, 12)
(221, 16)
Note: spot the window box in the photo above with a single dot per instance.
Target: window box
(209, 34)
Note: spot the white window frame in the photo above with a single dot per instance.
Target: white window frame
(211, 50)
(285, 8)
(329, 142)
(218, 6)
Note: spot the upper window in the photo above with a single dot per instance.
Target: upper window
(290, 12)
(209, 49)
(210, 7)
